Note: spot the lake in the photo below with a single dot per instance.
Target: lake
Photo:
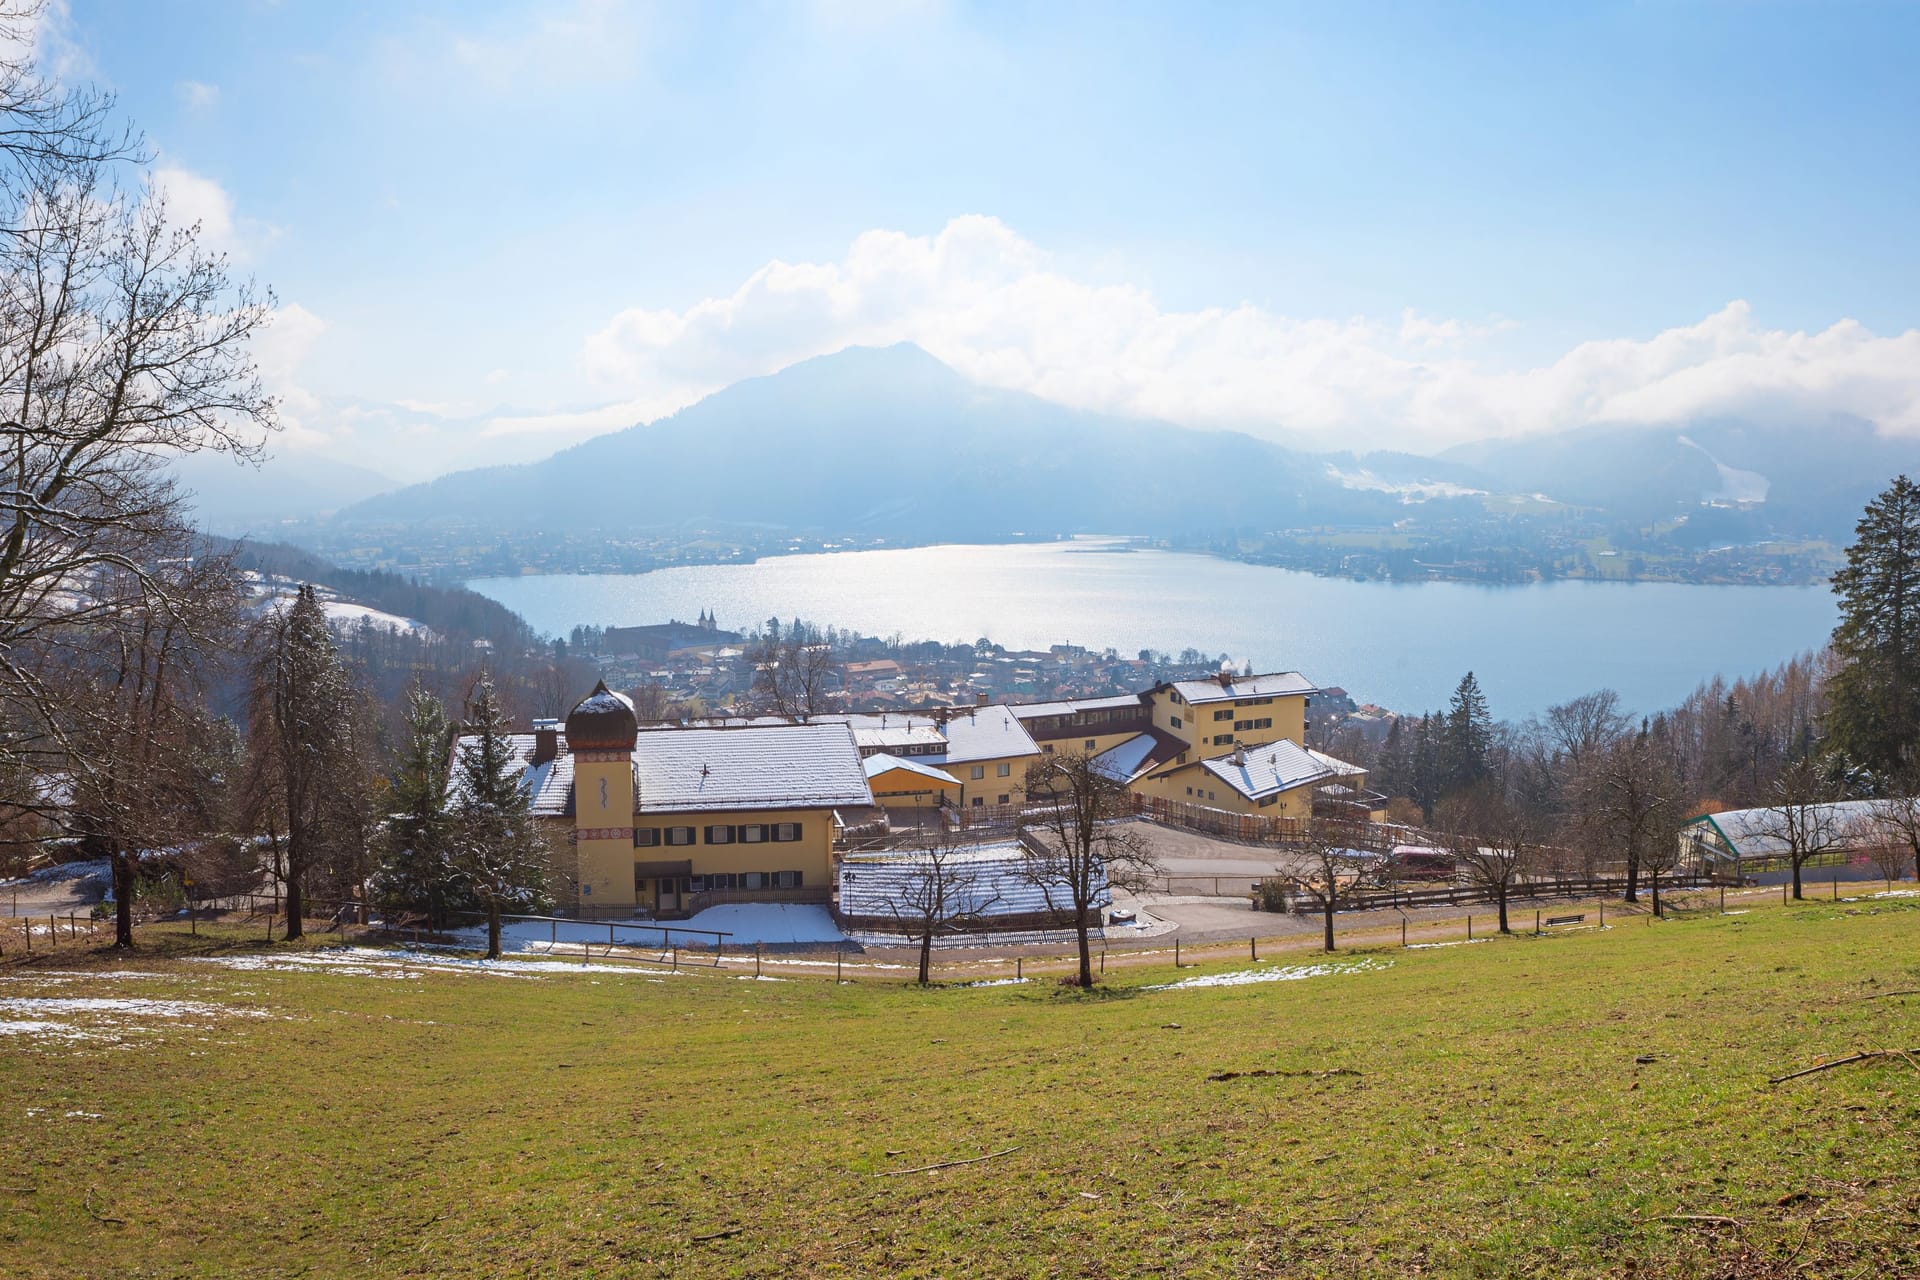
(1403, 645)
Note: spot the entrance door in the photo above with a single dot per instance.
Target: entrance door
(666, 895)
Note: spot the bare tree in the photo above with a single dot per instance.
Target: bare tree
(1627, 798)
(1080, 842)
(795, 673)
(1892, 834)
(122, 344)
(935, 888)
(1581, 729)
(1325, 869)
(1494, 841)
(1799, 814)
(138, 779)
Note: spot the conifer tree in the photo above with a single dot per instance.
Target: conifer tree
(494, 849)
(306, 783)
(1874, 708)
(414, 863)
(1467, 736)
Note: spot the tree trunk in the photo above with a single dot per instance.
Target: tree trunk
(493, 928)
(1329, 924)
(122, 901)
(1654, 878)
(1633, 874)
(926, 955)
(296, 909)
(1500, 896)
(1086, 952)
(1796, 880)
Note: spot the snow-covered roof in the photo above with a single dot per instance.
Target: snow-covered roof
(970, 733)
(1034, 710)
(1122, 761)
(987, 733)
(883, 763)
(547, 784)
(1757, 832)
(1276, 767)
(900, 733)
(799, 766)
(1273, 685)
(990, 880)
(810, 766)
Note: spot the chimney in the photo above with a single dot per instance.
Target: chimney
(979, 699)
(546, 741)
(1239, 757)
(1226, 678)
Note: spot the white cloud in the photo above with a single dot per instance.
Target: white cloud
(279, 350)
(192, 198)
(198, 95)
(989, 302)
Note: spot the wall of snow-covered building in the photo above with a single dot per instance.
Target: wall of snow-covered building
(993, 886)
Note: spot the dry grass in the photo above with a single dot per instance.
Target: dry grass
(1589, 1104)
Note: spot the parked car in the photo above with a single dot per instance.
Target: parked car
(1420, 862)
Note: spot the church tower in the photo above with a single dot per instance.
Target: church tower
(600, 735)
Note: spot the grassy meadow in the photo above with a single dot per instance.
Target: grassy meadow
(1591, 1103)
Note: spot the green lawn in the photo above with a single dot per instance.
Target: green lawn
(1464, 1110)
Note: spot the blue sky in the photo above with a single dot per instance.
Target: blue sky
(496, 228)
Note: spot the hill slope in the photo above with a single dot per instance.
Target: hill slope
(893, 440)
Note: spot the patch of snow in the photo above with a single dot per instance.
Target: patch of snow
(342, 614)
(994, 982)
(76, 975)
(769, 922)
(98, 869)
(1735, 485)
(130, 1006)
(1291, 973)
(374, 962)
(1410, 491)
(1429, 946)
(545, 936)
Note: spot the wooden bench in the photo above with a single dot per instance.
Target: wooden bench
(1554, 920)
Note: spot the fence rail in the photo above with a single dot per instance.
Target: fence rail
(1301, 901)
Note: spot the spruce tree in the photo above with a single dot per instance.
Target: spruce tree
(1874, 698)
(304, 774)
(1467, 736)
(413, 872)
(496, 850)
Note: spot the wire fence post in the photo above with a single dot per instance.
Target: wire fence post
(1403, 931)
(756, 959)
(1253, 949)
(836, 966)
(1019, 971)
(1176, 951)
(1469, 928)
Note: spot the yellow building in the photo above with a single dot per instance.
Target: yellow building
(1277, 780)
(1214, 716)
(901, 783)
(674, 820)
(986, 749)
(1139, 737)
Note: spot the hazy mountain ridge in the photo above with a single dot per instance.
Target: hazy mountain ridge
(892, 441)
